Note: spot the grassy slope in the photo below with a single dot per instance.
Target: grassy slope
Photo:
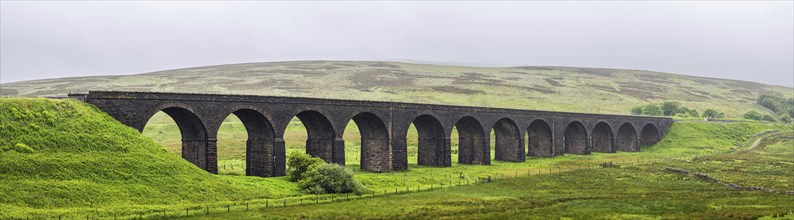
(631, 192)
(770, 165)
(543, 88)
(83, 158)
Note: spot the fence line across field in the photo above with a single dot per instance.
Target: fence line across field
(333, 198)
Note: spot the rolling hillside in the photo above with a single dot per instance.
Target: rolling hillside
(542, 88)
(59, 157)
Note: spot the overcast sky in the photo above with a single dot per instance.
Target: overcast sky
(751, 41)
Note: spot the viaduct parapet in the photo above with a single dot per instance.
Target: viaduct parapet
(383, 127)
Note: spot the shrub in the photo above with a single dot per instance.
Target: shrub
(778, 104)
(694, 113)
(670, 108)
(768, 118)
(329, 178)
(664, 108)
(752, 115)
(785, 119)
(712, 114)
(652, 109)
(637, 110)
(299, 163)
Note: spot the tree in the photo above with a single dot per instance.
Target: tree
(694, 113)
(637, 110)
(682, 110)
(779, 105)
(670, 108)
(651, 109)
(710, 113)
(768, 118)
(752, 115)
(299, 163)
(785, 119)
(330, 178)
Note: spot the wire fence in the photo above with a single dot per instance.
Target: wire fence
(264, 204)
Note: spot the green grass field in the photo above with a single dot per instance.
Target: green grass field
(643, 191)
(80, 162)
(630, 192)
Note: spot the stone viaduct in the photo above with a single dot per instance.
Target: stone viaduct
(383, 127)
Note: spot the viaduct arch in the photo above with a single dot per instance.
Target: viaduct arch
(576, 139)
(603, 138)
(383, 127)
(509, 141)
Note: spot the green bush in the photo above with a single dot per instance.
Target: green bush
(768, 118)
(652, 109)
(778, 104)
(713, 113)
(785, 119)
(637, 110)
(329, 178)
(299, 163)
(694, 113)
(665, 108)
(752, 115)
(672, 108)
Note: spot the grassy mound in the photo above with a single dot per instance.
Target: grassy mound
(63, 156)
